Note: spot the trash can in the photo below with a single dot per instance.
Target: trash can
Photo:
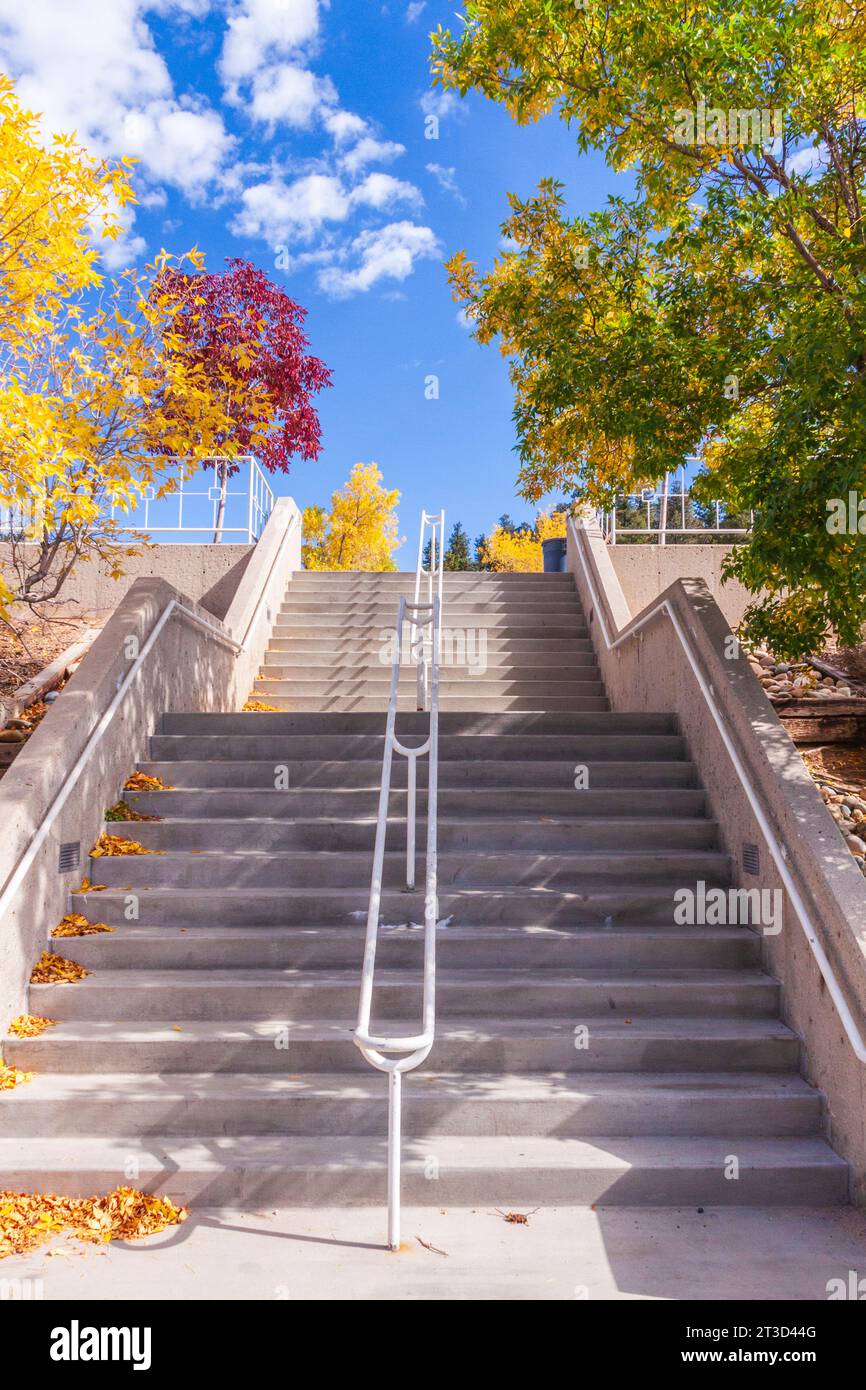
(554, 555)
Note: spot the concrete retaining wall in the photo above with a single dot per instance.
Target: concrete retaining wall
(209, 574)
(650, 672)
(186, 669)
(645, 571)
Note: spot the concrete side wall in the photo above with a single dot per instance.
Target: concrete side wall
(47, 798)
(649, 671)
(209, 574)
(645, 571)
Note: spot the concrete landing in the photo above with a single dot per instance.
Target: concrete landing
(563, 1253)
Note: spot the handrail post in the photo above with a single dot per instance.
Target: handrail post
(411, 777)
(395, 1097)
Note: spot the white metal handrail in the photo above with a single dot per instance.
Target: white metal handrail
(778, 851)
(173, 608)
(194, 505)
(665, 498)
(425, 622)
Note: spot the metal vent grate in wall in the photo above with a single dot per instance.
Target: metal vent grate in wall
(70, 857)
(751, 859)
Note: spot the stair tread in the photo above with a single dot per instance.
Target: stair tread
(685, 1027)
(500, 1086)
(252, 977)
(261, 1151)
(540, 933)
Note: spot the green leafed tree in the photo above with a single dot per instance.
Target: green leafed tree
(721, 308)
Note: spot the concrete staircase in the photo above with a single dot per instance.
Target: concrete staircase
(588, 1050)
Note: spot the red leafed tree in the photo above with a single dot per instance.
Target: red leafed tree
(249, 338)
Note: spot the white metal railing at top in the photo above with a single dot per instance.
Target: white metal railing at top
(192, 508)
(245, 508)
(425, 622)
(671, 505)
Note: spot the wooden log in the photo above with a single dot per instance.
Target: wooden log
(824, 721)
(53, 673)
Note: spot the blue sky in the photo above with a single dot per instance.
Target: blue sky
(296, 130)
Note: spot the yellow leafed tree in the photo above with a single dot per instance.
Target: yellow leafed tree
(360, 531)
(519, 551)
(99, 398)
(52, 197)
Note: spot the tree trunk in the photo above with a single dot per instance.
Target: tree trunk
(222, 474)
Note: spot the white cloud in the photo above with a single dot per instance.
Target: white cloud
(186, 148)
(291, 94)
(447, 181)
(380, 190)
(415, 10)
(260, 31)
(280, 212)
(345, 125)
(371, 151)
(93, 69)
(440, 104)
(388, 253)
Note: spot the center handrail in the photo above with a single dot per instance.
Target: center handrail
(425, 622)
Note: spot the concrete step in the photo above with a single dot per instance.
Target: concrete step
(322, 650)
(502, 725)
(376, 681)
(301, 802)
(505, 1170)
(369, 609)
(467, 1045)
(434, 1104)
(541, 748)
(501, 670)
(606, 793)
(575, 872)
(379, 626)
(135, 947)
(597, 904)
(212, 995)
(466, 700)
(547, 834)
(403, 581)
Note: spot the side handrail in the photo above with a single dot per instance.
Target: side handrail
(425, 622)
(173, 608)
(777, 851)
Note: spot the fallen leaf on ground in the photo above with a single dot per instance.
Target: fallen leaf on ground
(259, 707)
(517, 1218)
(113, 846)
(143, 782)
(28, 1219)
(56, 970)
(121, 810)
(75, 924)
(87, 887)
(30, 1025)
(10, 1077)
(434, 1248)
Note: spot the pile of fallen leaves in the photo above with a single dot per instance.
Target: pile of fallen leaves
(259, 707)
(28, 1219)
(10, 1076)
(56, 970)
(30, 1025)
(143, 782)
(76, 924)
(111, 846)
(121, 810)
